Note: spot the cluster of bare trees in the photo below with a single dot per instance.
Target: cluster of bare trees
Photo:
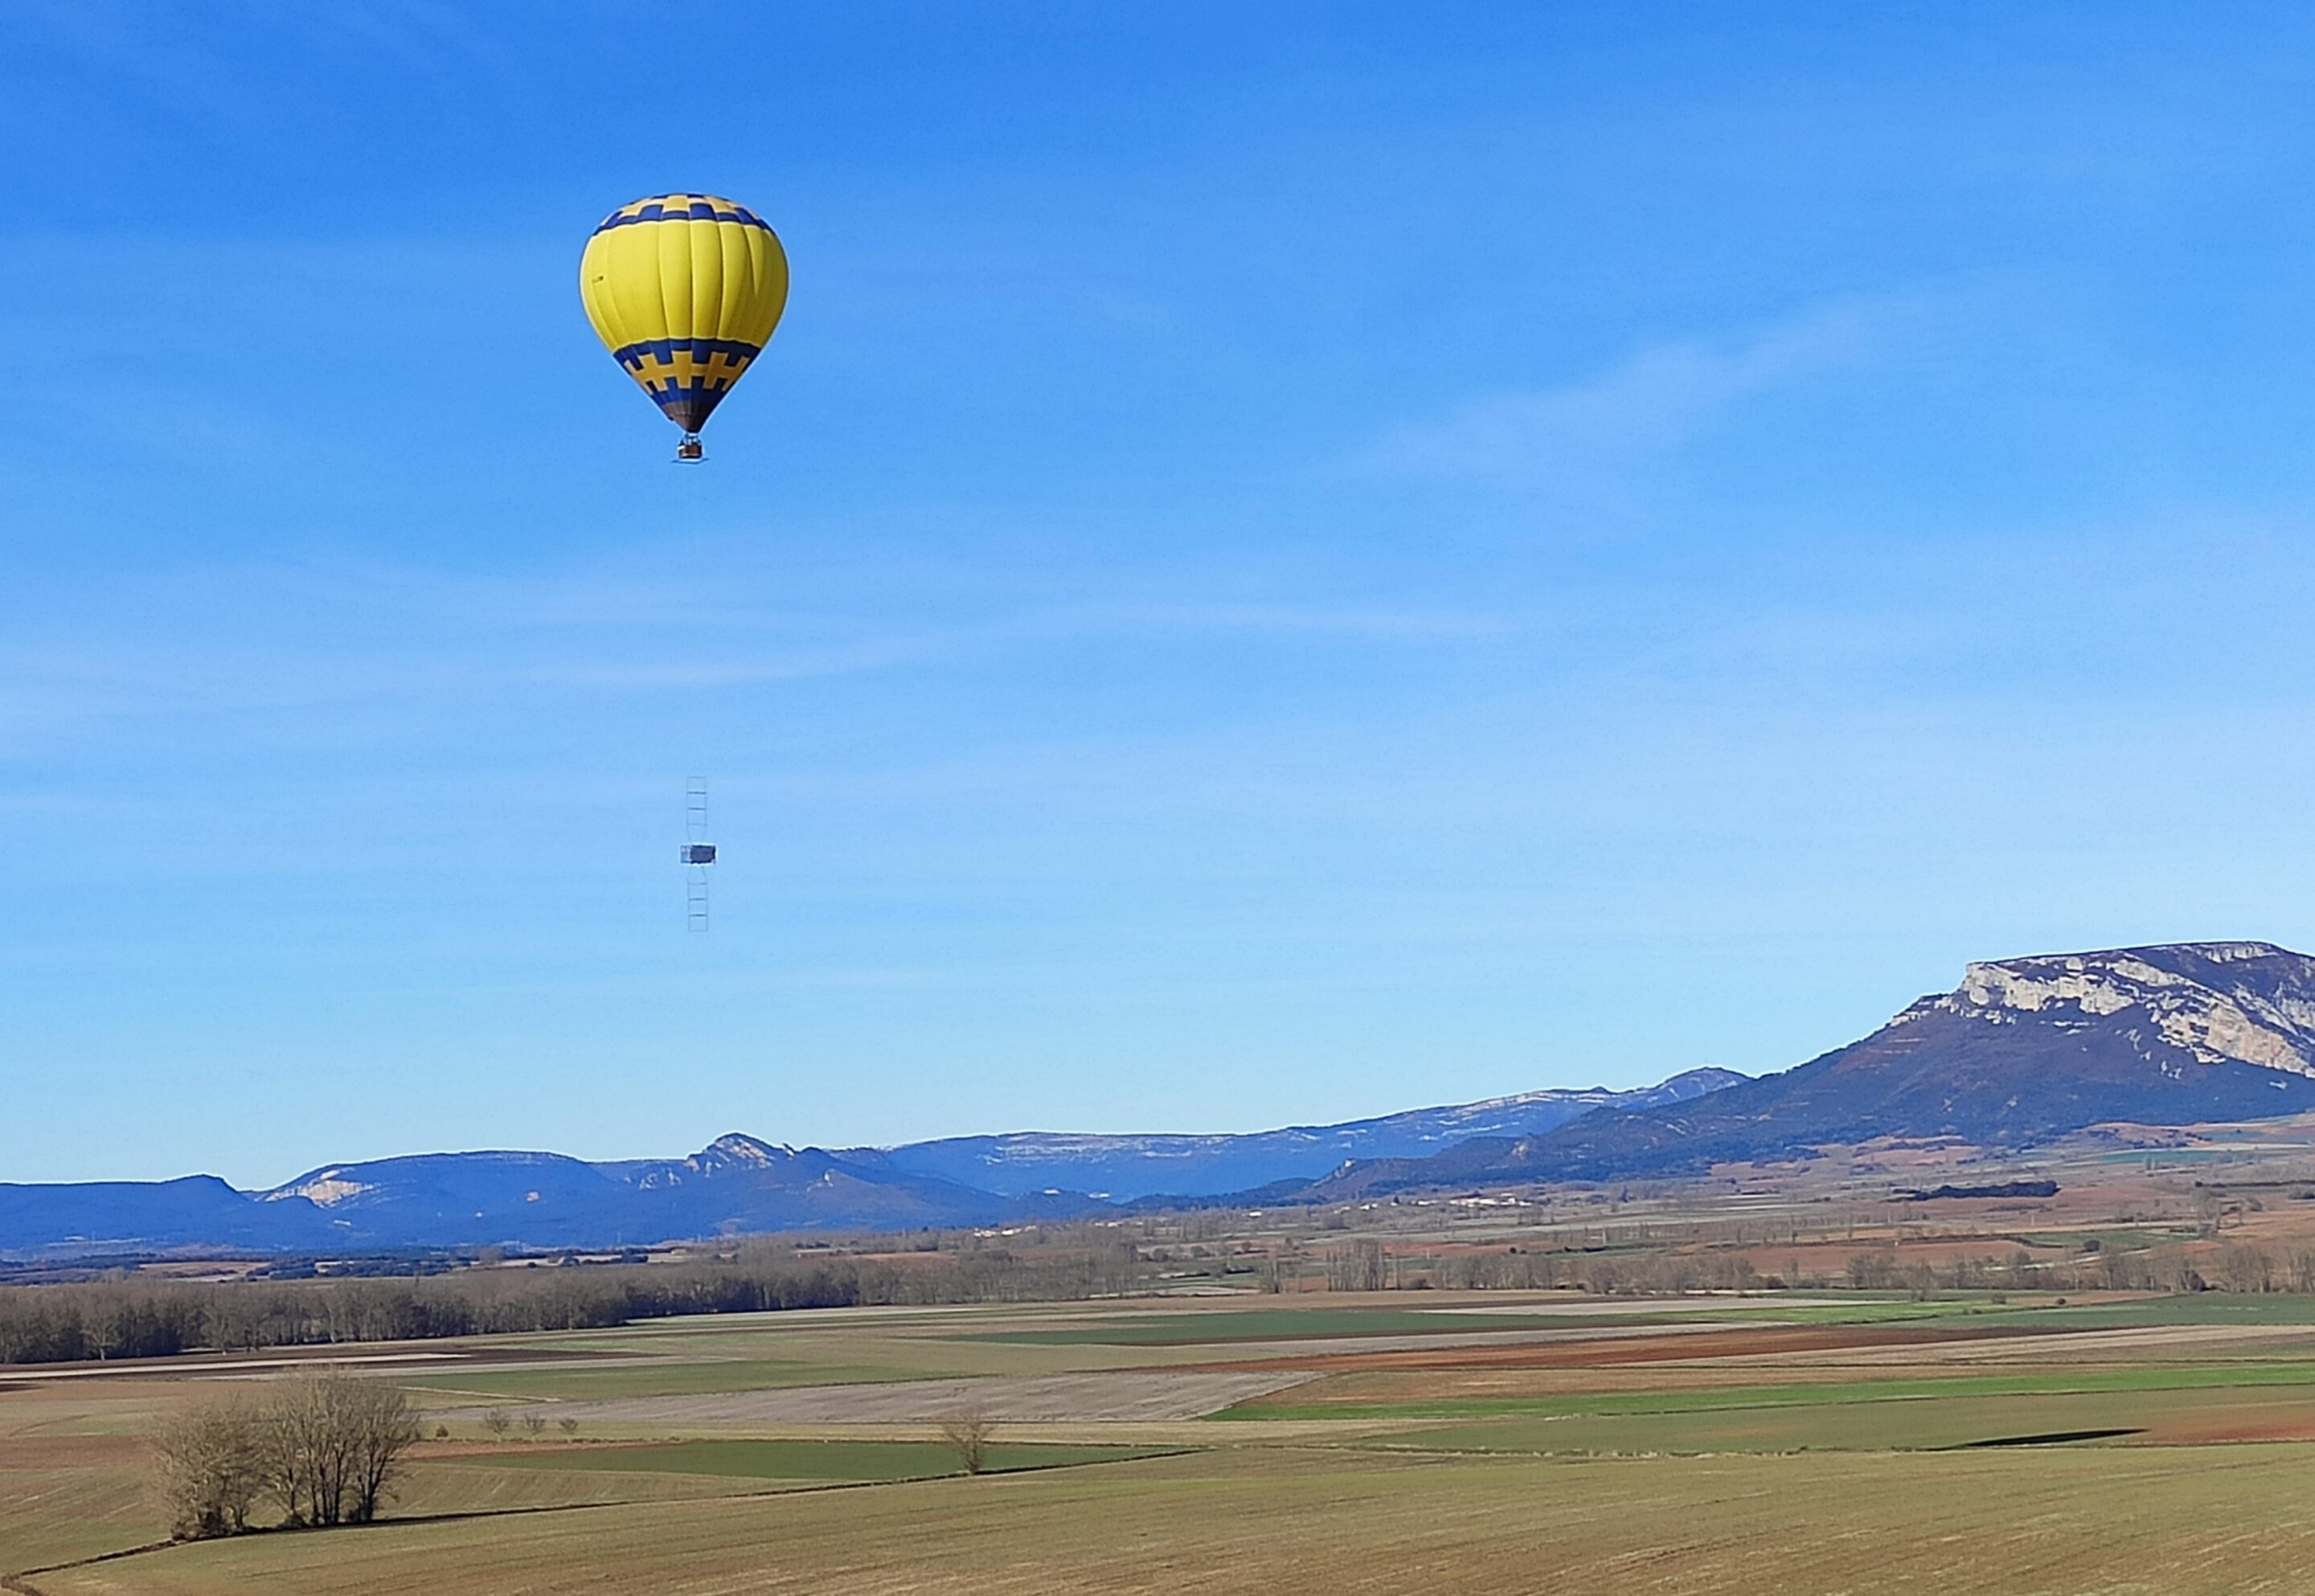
(1529, 1269)
(498, 1421)
(2239, 1267)
(322, 1450)
(1362, 1266)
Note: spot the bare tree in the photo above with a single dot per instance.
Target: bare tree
(496, 1421)
(304, 1465)
(968, 1430)
(570, 1426)
(379, 1425)
(1363, 1266)
(211, 1465)
(533, 1422)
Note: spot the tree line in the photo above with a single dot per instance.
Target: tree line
(141, 1317)
(2239, 1268)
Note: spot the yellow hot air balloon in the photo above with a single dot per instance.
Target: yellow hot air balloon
(684, 290)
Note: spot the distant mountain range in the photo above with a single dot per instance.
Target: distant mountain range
(739, 1184)
(2023, 1051)
(1129, 1166)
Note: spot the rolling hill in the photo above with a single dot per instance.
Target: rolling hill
(737, 1184)
(1124, 1168)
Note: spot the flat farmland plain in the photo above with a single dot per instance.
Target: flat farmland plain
(1395, 1442)
(1296, 1520)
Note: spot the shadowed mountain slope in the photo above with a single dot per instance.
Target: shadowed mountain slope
(2023, 1051)
(736, 1184)
(1129, 1166)
(197, 1211)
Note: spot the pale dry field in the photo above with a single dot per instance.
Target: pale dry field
(1290, 1522)
(1112, 1397)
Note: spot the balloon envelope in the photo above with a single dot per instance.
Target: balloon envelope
(684, 290)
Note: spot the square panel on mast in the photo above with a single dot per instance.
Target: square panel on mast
(697, 854)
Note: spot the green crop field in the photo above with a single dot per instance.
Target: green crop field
(1831, 1425)
(2199, 1307)
(2050, 1382)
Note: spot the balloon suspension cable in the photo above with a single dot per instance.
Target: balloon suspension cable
(689, 451)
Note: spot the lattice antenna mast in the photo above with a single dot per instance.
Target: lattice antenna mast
(698, 853)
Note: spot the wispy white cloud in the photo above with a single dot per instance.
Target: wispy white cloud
(252, 638)
(1377, 622)
(1591, 436)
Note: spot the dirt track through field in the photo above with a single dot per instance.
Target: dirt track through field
(1122, 1395)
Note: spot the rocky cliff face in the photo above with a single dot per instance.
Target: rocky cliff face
(2023, 1051)
(2251, 1002)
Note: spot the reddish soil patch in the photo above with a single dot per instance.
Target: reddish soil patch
(71, 1451)
(2219, 1429)
(1744, 1342)
(2239, 1415)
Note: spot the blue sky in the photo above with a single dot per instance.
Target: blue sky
(1288, 562)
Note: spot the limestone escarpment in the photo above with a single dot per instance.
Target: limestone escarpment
(2023, 1051)
(2251, 1002)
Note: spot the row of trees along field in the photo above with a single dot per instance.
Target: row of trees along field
(141, 1317)
(324, 1449)
(2239, 1267)
(144, 1318)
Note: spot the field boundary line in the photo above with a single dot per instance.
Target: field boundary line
(20, 1583)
